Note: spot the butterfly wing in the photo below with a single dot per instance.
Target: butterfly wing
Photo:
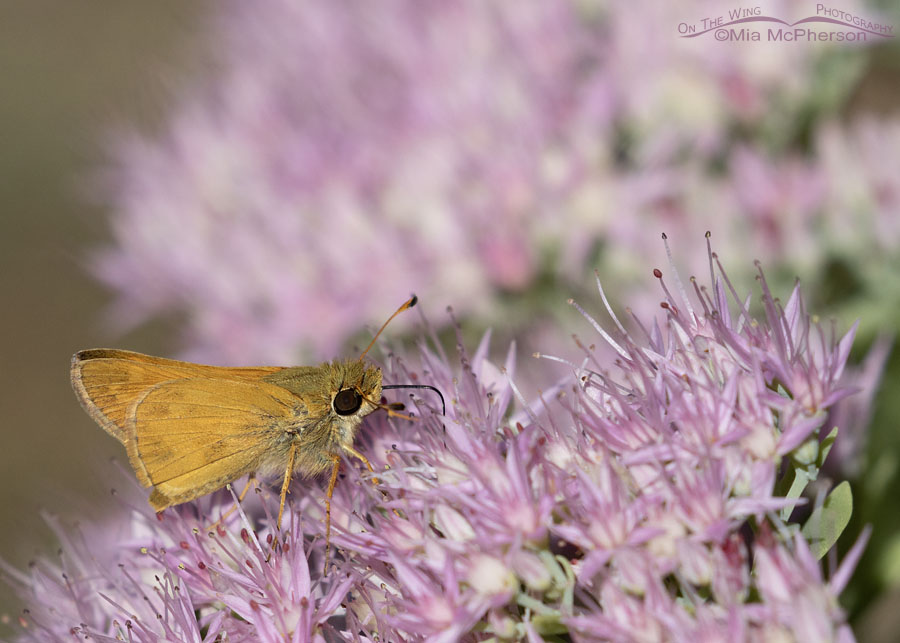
(108, 381)
(189, 437)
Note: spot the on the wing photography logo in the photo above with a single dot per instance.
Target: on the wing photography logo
(751, 24)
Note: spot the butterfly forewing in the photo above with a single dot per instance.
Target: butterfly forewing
(108, 381)
(189, 437)
(189, 428)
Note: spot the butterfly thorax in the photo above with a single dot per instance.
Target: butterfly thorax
(333, 398)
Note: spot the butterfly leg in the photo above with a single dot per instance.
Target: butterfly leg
(394, 414)
(250, 480)
(375, 481)
(288, 471)
(334, 474)
(356, 454)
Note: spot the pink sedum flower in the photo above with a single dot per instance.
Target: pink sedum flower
(642, 500)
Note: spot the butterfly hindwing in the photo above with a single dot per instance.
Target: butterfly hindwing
(188, 437)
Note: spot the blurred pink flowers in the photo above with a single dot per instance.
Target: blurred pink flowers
(646, 500)
(348, 154)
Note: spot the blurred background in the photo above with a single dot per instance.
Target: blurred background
(69, 73)
(252, 184)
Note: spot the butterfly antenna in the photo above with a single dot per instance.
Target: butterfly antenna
(408, 304)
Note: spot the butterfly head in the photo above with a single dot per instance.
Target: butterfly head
(354, 388)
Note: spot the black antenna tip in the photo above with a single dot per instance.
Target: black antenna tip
(413, 301)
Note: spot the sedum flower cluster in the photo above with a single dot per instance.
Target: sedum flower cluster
(653, 497)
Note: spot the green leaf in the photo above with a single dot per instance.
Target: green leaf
(825, 447)
(799, 479)
(548, 624)
(827, 522)
(805, 462)
(568, 599)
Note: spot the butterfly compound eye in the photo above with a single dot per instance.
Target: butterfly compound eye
(347, 402)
